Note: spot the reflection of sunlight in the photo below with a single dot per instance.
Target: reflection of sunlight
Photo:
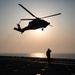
(38, 55)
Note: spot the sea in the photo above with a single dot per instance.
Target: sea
(41, 55)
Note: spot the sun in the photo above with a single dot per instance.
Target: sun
(39, 35)
(39, 31)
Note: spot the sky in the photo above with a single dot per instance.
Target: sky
(60, 38)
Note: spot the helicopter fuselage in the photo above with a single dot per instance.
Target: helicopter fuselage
(38, 23)
(35, 24)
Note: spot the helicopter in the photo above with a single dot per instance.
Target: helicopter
(36, 23)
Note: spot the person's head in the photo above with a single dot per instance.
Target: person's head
(49, 50)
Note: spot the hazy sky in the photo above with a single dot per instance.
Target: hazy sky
(60, 38)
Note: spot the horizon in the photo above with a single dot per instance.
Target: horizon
(41, 55)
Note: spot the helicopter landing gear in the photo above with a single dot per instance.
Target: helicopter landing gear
(42, 29)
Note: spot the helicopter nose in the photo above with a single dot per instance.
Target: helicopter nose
(48, 23)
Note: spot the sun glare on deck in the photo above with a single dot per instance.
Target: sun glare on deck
(40, 55)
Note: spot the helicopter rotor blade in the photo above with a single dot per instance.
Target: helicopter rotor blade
(27, 10)
(26, 19)
(52, 15)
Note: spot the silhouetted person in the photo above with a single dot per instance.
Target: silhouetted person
(48, 54)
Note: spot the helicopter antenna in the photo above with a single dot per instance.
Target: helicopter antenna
(19, 22)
